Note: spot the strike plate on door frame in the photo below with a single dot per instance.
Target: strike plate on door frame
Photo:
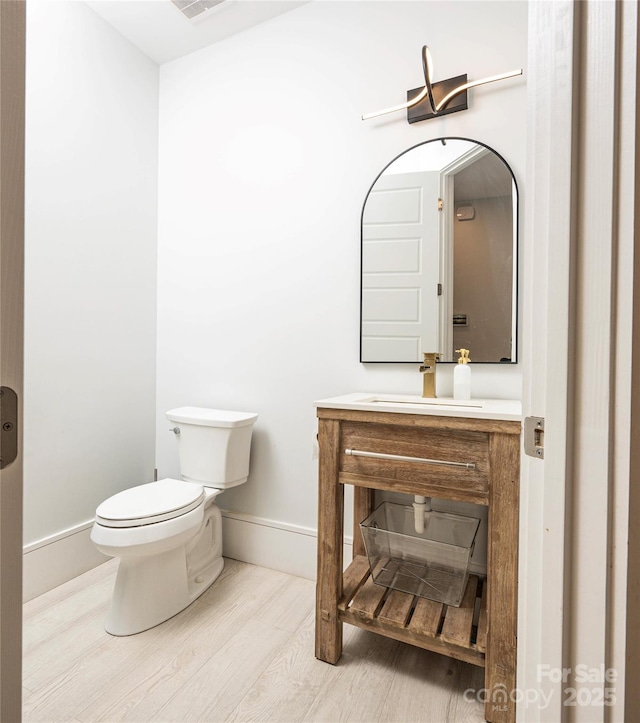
(534, 436)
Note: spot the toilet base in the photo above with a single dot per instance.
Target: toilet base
(151, 588)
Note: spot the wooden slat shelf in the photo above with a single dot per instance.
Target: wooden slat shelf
(416, 620)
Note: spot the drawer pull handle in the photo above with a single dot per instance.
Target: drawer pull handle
(402, 458)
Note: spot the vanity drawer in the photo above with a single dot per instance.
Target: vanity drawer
(445, 445)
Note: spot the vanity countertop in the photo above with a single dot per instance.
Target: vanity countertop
(506, 409)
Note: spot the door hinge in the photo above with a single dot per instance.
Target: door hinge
(534, 436)
(439, 289)
(440, 205)
(8, 426)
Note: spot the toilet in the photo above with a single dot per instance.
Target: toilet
(168, 534)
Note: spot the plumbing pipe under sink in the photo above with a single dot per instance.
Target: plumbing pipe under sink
(420, 506)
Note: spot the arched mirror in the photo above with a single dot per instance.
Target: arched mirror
(439, 256)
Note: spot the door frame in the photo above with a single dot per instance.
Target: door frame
(579, 588)
(445, 233)
(12, 113)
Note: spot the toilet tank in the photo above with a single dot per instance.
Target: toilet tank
(213, 445)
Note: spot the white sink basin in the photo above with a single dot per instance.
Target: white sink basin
(508, 409)
(387, 399)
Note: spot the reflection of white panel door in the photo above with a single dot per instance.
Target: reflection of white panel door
(400, 268)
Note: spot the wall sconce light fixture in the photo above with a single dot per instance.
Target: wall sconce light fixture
(441, 98)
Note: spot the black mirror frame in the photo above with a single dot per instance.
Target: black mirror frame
(516, 249)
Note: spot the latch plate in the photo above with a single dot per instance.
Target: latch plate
(8, 426)
(534, 436)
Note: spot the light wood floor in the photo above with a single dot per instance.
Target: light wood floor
(242, 652)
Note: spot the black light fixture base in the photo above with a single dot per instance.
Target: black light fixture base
(422, 110)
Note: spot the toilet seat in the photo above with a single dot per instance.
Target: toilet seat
(149, 503)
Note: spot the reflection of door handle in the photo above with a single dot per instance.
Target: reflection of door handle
(8, 426)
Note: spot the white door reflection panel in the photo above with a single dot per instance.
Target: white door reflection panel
(400, 268)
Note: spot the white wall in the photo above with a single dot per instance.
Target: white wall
(264, 166)
(91, 220)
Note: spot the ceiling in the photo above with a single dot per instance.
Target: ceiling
(163, 33)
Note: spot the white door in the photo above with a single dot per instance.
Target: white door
(400, 268)
(12, 34)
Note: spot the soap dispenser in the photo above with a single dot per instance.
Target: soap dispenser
(462, 376)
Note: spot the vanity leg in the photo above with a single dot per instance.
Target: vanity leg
(362, 508)
(502, 577)
(330, 541)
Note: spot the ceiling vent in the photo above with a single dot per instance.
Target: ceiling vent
(193, 9)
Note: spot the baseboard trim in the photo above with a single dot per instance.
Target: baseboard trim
(53, 560)
(273, 544)
(57, 537)
(58, 558)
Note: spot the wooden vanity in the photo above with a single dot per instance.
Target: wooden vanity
(488, 437)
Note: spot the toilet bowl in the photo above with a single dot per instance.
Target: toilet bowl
(168, 534)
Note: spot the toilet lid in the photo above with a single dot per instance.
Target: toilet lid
(149, 503)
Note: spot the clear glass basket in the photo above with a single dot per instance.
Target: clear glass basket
(432, 564)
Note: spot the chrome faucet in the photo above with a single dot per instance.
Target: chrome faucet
(428, 370)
